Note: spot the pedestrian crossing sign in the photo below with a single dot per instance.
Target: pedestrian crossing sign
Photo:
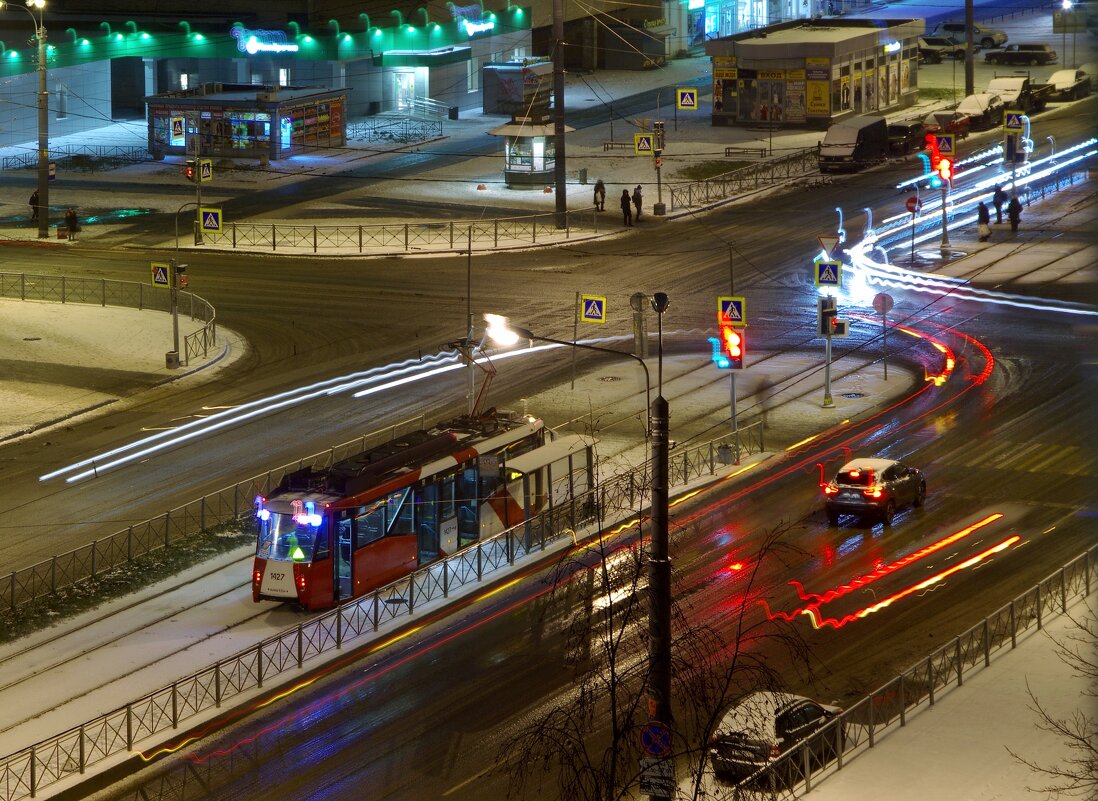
(205, 170)
(829, 273)
(642, 144)
(732, 310)
(161, 274)
(687, 99)
(593, 308)
(945, 144)
(1013, 120)
(211, 220)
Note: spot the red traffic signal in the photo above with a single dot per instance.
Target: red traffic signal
(190, 170)
(945, 169)
(733, 346)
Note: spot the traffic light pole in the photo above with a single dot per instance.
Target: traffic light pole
(945, 218)
(732, 373)
(828, 401)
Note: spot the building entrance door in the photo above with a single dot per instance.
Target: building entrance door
(405, 90)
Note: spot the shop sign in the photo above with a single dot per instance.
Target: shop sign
(817, 69)
(261, 41)
(771, 75)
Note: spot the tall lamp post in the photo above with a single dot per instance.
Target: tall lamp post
(659, 563)
(43, 118)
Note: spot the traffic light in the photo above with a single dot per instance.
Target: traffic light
(945, 169)
(827, 312)
(190, 169)
(733, 345)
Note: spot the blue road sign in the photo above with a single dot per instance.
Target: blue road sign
(656, 739)
(593, 308)
(687, 99)
(1012, 120)
(161, 273)
(733, 309)
(642, 144)
(829, 273)
(211, 220)
(945, 144)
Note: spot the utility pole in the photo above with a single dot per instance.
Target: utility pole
(43, 125)
(970, 56)
(558, 115)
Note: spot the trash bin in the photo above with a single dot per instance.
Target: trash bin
(62, 232)
(583, 175)
(453, 112)
(171, 360)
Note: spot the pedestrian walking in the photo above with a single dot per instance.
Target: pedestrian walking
(999, 198)
(72, 222)
(1014, 212)
(34, 206)
(600, 195)
(637, 200)
(983, 221)
(626, 207)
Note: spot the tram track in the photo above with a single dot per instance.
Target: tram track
(148, 636)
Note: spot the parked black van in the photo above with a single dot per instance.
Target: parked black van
(854, 143)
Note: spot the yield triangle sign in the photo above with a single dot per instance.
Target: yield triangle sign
(828, 243)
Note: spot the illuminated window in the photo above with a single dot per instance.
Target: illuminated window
(184, 81)
(283, 76)
(472, 74)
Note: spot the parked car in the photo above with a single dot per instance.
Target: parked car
(981, 36)
(904, 137)
(873, 488)
(1021, 93)
(932, 49)
(983, 109)
(1069, 84)
(764, 725)
(1022, 53)
(949, 121)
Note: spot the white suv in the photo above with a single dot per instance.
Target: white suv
(984, 37)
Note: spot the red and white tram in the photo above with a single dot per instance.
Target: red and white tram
(332, 534)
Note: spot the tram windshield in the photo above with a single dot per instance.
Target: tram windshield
(290, 537)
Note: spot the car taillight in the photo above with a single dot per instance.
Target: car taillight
(257, 577)
(775, 751)
(873, 492)
(830, 489)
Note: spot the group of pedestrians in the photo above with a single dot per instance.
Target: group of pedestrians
(983, 213)
(72, 221)
(628, 203)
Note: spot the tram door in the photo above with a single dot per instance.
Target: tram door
(427, 513)
(468, 516)
(342, 560)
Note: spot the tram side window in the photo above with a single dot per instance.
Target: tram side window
(401, 513)
(369, 525)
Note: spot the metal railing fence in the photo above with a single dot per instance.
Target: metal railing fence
(399, 129)
(25, 773)
(108, 292)
(64, 154)
(860, 726)
(755, 176)
(406, 237)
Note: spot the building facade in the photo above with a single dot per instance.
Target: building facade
(813, 72)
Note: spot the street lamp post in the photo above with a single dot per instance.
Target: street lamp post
(659, 562)
(43, 119)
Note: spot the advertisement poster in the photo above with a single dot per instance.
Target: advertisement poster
(794, 101)
(870, 91)
(905, 76)
(817, 102)
(817, 98)
(894, 84)
(844, 93)
(858, 99)
(882, 93)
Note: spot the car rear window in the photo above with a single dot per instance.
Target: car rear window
(856, 478)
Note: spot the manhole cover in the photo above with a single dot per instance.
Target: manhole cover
(609, 378)
(853, 395)
(32, 339)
